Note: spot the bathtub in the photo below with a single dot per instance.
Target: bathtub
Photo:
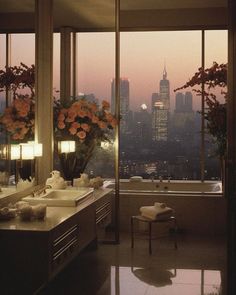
(178, 188)
(199, 207)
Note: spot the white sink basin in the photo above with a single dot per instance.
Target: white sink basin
(63, 198)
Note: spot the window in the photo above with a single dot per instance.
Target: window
(161, 137)
(160, 128)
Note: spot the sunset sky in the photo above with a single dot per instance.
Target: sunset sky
(143, 55)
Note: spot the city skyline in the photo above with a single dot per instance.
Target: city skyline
(143, 55)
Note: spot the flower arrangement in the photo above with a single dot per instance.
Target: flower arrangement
(18, 118)
(83, 120)
(215, 113)
(78, 119)
(88, 124)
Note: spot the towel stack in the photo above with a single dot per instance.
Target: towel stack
(157, 212)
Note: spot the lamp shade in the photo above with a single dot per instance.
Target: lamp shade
(38, 148)
(27, 151)
(67, 146)
(15, 152)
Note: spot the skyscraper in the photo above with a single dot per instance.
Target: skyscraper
(183, 102)
(160, 110)
(155, 98)
(142, 123)
(159, 122)
(183, 117)
(188, 101)
(124, 103)
(179, 102)
(165, 90)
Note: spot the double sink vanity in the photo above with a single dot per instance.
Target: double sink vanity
(33, 252)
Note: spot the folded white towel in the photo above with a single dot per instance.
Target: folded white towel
(159, 205)
(156, 212)
(136, 179)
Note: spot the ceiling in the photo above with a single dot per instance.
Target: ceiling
(7, 6)
(90, 15)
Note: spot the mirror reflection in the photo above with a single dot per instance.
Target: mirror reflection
(17, 109)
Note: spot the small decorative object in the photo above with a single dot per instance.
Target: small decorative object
(96, 182)
(56, 181)
(7, 213)
(83, 181)
(28, 212)
(24, 184)
(20, 204)
(25, 212)
(39, 211)
(4, 177)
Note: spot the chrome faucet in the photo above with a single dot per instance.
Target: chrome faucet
(41, 190)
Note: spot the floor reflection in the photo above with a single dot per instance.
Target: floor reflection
(150, 280)
(198, 267)
(153, 276)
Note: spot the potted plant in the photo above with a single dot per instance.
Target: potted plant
(215, 112)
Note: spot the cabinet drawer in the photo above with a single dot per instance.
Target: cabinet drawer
(64, 239)
(63, 245)
(103, 212)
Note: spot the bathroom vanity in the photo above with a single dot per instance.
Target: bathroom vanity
(33, 252)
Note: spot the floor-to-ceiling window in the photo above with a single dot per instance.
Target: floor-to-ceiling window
(96, 70)
(161, 133)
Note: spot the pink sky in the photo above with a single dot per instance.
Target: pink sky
(143, 55)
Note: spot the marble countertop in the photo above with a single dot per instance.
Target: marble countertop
(54, 215)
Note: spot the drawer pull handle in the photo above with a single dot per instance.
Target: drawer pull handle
(64, 248)
(99, 209)
(64, 235)
(101, 217)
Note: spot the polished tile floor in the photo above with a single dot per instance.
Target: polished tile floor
(196, 268)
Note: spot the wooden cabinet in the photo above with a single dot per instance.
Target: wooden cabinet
(72, 236)
(103, 211)
(32, 253)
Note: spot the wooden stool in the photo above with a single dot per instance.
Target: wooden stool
(150, 221)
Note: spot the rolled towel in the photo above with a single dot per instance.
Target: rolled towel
(160, 205)
(26, 212)
(156, 213)
(39, 211)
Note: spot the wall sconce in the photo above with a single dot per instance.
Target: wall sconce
(38, 148)
(15, 152)
(20, 152)
(66, 146)
(26, 151)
